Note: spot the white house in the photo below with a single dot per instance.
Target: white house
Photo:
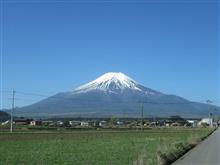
(84, 124)
(74, 123)
(35, 122)
(60, 123)
(120, 122)
(103, 123)
(6, 122)
(208, 121)
(194, 123)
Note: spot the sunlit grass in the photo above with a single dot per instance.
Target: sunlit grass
(93, 147)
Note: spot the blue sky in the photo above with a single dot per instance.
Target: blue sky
(170, 46)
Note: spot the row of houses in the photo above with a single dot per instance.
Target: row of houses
(171, 122)
(73, 123)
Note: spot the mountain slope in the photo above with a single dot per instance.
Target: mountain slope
(114, 94)
(4, 116)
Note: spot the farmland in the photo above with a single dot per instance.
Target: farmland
(94, 147)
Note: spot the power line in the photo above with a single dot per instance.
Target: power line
(91, 100)
(33, 94)
(5, 91)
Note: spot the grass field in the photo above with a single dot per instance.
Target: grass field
(93, 147)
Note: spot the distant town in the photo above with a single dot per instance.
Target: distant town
(109, 123)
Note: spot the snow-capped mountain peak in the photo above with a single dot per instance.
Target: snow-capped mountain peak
(110, 82)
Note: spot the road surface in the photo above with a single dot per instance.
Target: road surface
(206, 153)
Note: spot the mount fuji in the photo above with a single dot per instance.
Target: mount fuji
(114, 94)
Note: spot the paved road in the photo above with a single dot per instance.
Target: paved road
(206, 153)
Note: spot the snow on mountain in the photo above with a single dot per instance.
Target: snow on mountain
(109, 82)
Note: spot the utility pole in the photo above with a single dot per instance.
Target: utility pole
(209, 102)
(12, 109)
(142, 114)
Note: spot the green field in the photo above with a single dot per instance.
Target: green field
(93, 147)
